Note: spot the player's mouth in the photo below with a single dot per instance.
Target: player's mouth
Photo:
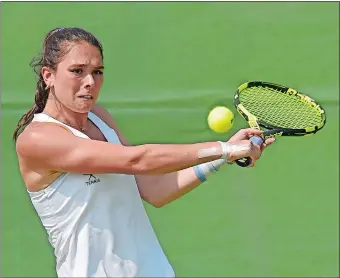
(86, 97)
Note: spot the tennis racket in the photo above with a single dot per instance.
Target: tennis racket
(281, 110)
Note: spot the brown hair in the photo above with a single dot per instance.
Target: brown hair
(54, 49)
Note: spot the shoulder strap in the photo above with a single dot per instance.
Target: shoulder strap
(107, 131)
(98, 121)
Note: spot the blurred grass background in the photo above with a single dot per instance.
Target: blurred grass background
(167, 64)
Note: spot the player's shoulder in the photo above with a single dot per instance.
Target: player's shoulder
(37, 133)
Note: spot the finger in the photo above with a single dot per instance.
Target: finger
(263, 146)
(248, 132)
(255, 158)
(256, 153)
(245, 134)
(269, 141)
(252, 164)
(253, 131)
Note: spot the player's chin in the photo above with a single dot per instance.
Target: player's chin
(84, 107)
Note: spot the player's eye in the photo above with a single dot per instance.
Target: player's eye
(98, 72)
(76, 71)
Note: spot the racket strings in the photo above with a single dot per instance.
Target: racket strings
(279, 109)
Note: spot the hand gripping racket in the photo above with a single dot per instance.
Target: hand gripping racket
(281, 110)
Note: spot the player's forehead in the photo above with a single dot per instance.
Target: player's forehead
(82, 53)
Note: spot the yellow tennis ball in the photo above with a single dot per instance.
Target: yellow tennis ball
(220, 119)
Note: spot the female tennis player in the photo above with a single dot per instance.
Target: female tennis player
(84, 179)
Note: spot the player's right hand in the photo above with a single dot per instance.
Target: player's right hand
(241, 138)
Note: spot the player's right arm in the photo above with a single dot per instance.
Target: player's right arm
(51, 147)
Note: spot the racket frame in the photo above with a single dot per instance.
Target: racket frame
(273, 131)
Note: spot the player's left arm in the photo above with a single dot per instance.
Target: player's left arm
(158, 190)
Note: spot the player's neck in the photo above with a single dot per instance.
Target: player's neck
(66, 116)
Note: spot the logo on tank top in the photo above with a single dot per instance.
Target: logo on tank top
(92, 179)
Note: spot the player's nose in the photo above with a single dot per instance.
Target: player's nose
(89, 81)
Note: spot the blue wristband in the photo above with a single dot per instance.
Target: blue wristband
(200, 175)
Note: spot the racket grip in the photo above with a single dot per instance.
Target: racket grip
(244, 162)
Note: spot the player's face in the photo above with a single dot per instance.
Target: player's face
(79, 77)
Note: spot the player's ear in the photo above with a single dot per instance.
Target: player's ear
(48, 76)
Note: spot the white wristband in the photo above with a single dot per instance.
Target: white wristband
(228, 148)
(225, 150)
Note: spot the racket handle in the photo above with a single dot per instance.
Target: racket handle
(244, 162)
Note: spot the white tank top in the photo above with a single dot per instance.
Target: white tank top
(97, 223)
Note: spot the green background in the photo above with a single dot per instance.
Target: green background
(166, 65)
